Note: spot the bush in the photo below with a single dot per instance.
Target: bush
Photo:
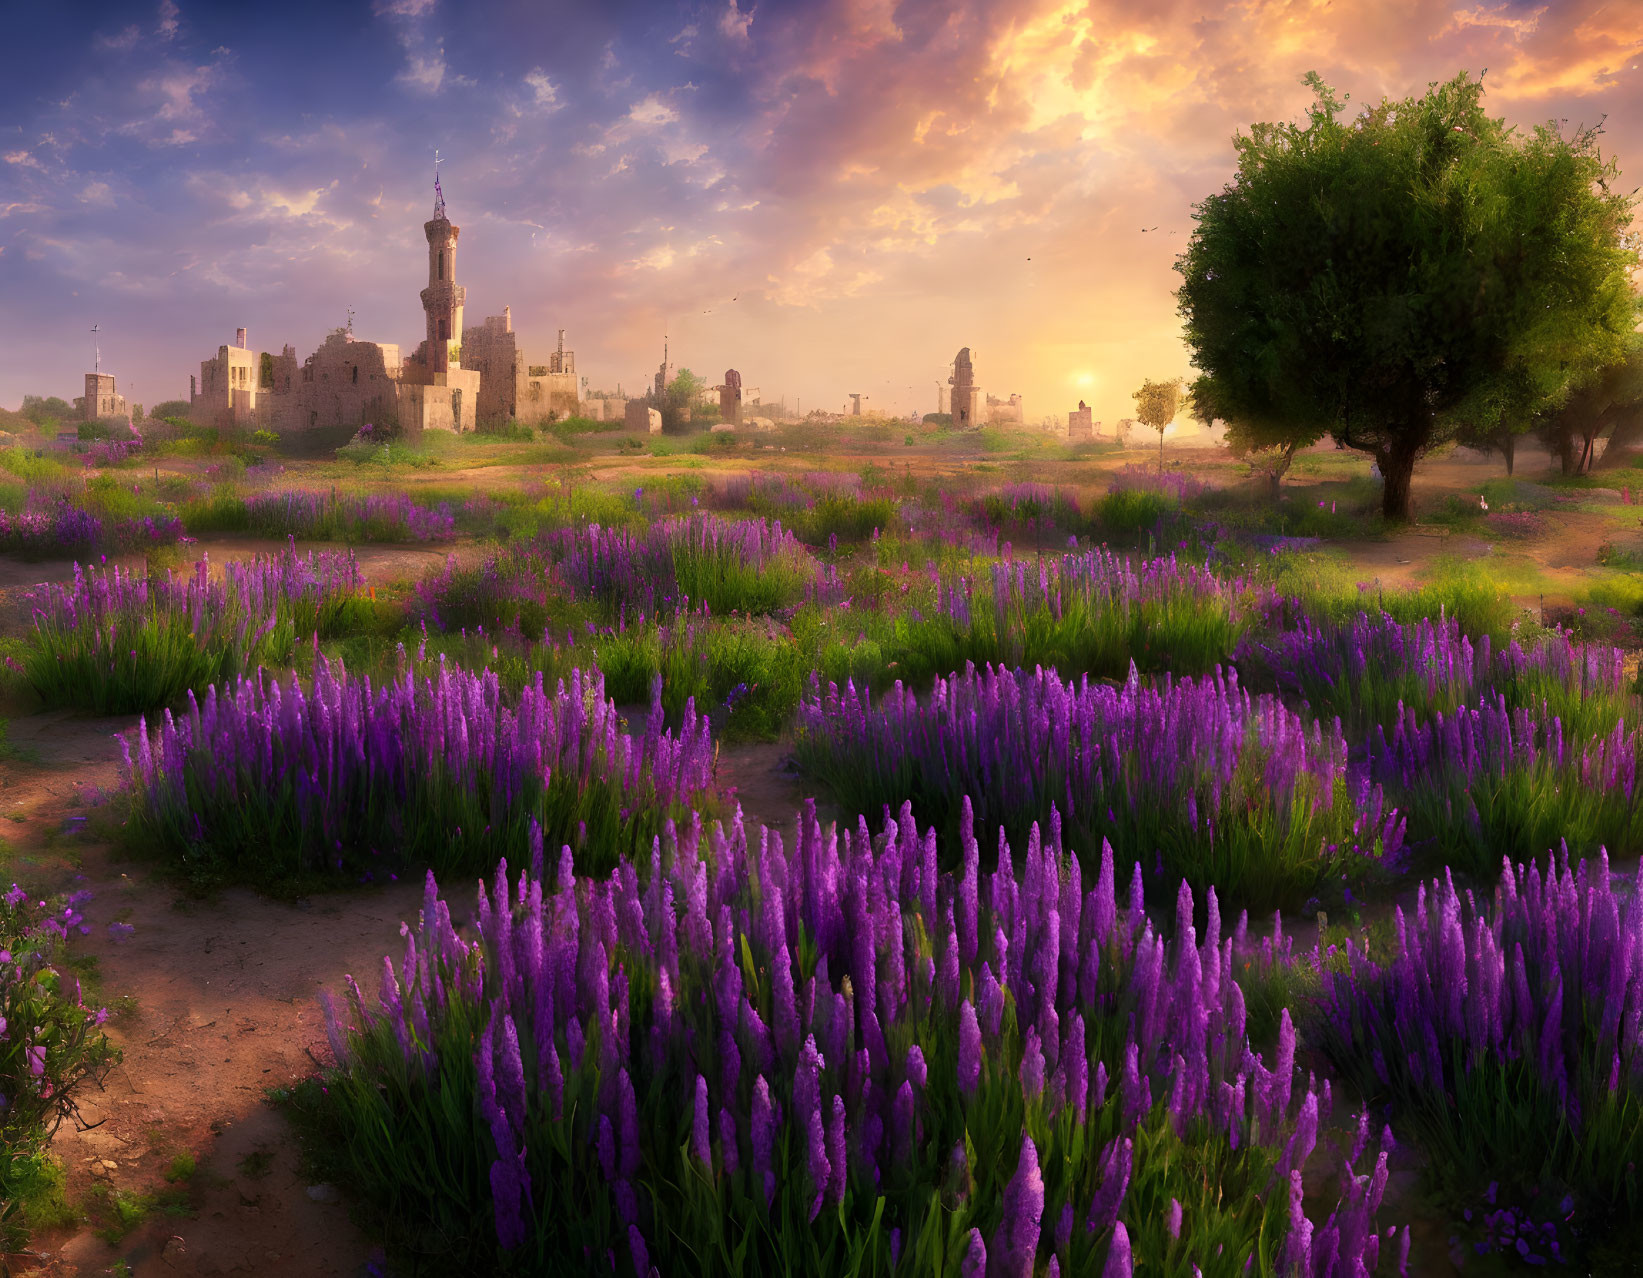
(1373, 670)
(433, 771)
(1494, 781)
(114, 642)
(50, 1048)
(1502, 1038)
(1202, 781)
(909, 1112)
(695, 561)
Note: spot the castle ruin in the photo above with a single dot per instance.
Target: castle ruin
(456, 379)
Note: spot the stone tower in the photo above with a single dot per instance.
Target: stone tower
(730, 398)
(442, 300)
(965, 396)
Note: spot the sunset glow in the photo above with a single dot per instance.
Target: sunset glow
(832, 197)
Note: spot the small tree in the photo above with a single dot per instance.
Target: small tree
(1401, 278)
(1269, 453)
(42, 410)
(1608, 398)
(677, 400)
(1156, 404)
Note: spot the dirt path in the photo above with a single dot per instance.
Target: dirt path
(215, 1003)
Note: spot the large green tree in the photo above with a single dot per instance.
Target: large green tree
(1398, 277)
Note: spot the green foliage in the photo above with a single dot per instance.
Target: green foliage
(47, 410)
(1394, 278)
(1126, 516)
(51, 1050)
(165, 410)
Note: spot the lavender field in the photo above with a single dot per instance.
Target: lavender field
(1108, 898)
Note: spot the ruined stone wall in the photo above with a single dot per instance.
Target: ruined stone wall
(450, 402)
(344, 383)
(230, 391)
(1079, 424)
(492, 351)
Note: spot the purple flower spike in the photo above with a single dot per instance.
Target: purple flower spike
(699, 1144)
(974, 1264)
(1015, 1245)
(1119, 1264)
(969, 1048)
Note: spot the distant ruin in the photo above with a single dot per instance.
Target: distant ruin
(730, 398)
(456, 379)
(1079, 425)
(966, 395)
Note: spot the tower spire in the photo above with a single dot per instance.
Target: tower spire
(439, 195)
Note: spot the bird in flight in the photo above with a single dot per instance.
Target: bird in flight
(1145, 229)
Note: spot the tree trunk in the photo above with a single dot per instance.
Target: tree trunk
(1510, 449)
(1397, 470)
(1160, 452)
(1566, 454)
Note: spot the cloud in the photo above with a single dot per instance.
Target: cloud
(125, 38)
(652, 111)
(169, 14)
(733, 23)
(99, 194)
(544, 93)
(426, 71)
(1500, 18)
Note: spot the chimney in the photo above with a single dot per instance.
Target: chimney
(507, 319)
(239, 338)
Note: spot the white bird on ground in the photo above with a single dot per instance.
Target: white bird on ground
(1483, 502)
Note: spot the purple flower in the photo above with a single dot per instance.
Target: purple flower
(969, 1048)
(699, 1145)
(1015, 1245)
(1119, 1264)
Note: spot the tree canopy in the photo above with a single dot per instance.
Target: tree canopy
(1399, 277)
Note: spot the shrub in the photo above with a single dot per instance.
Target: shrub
(115, 642)
(329, 516)
(1504, 1038)
(1203, 781)
(1500, 781)
(1093, 612)
(699, 560)
(267, 782)
(50, 1046)
(826, 1060)
(1372, 670)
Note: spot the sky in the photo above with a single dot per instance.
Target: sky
(831, 196)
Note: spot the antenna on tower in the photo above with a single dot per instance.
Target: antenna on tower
(96, 349)
(439, 195)
(350, 319)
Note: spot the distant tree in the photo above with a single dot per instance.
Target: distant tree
(1268, 453)
(937, 419)
(42, 410)
(266, 371)
(1418, 272)
(169, 408)
(1156, 405)
(677, 400)
(1605, 400)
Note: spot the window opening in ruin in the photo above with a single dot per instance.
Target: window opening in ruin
(356, 374)
(441, 263)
